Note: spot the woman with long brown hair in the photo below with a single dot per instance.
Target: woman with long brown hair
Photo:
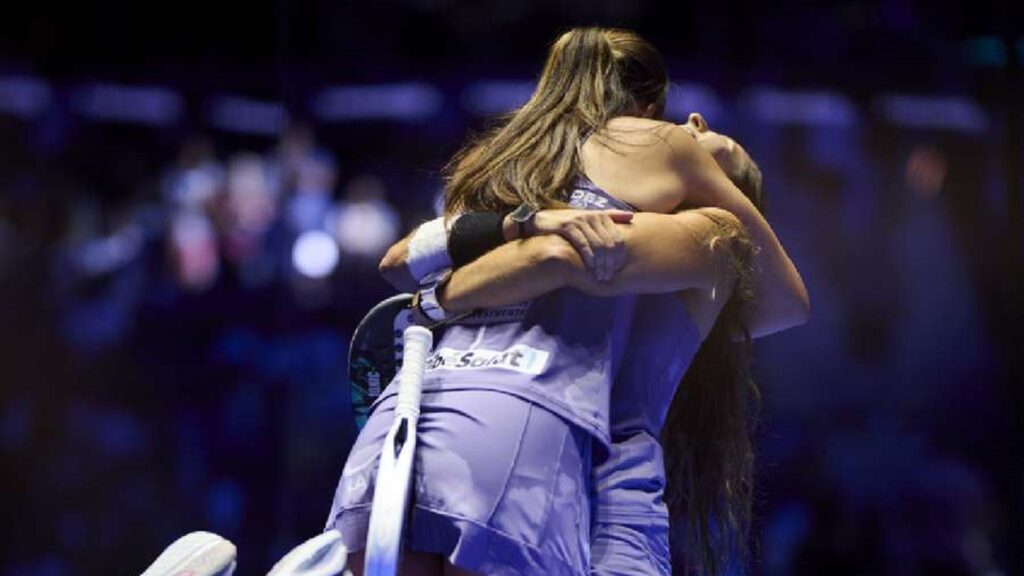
(705, 433)
(510, 409)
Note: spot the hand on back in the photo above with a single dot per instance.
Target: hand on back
(594, 234)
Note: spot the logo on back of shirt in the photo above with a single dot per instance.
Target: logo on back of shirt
(587, 200)
(518, 358)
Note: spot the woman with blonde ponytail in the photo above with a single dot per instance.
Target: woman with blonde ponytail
(514, 398)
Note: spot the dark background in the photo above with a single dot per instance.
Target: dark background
(168, 363)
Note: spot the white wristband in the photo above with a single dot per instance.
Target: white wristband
(428, 249)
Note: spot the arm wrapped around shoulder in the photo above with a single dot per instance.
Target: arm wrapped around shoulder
(671, 252)
(664, 253)
(514, 272)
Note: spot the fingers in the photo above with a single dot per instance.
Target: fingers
(589, 243)
(617, 250)
(555, 221)
(606, 241)
(619, 216)
(594, 232)
(580, 242)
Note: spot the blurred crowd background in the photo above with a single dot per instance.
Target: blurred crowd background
(193, 199)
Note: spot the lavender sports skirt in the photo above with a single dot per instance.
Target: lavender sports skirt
(630, 534)
(628, 549)
(500, 484)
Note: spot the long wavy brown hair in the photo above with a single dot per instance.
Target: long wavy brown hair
(706, 438)
(533, 154)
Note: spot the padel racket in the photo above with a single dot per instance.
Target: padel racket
(394, 472)
(375, 353)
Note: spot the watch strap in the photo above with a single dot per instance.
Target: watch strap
(427, 300)
(522, 216)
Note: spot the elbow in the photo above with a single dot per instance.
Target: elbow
(394, 270)
(796, 312)
(786, 313)
(391, 261)
(805, 309)
(794, 301)
(801, 304)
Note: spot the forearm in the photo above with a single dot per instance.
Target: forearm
(514, 272)
(780, 297)
(665, 253)
(433, 247)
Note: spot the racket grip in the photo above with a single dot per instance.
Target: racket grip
(417, 343)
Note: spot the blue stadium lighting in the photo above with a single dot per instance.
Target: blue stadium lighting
(496, 96)
(950, 113)
(129, 104)
(247, 116)
(813, 108)
(315, 254)
(406, 102)
(682, 99)
(24, 96)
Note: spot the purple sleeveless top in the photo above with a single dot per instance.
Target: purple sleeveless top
(560, 351)
(630, 483)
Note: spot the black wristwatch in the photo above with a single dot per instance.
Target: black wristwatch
(522, 216)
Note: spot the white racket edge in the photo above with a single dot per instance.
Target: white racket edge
(394, 472)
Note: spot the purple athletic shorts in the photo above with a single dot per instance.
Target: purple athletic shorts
(501, 484)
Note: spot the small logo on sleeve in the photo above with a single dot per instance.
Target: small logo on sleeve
(518, 358)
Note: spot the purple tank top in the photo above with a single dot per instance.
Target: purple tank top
(630, 483)
(560, 350)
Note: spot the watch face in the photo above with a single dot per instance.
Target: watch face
(523, 213)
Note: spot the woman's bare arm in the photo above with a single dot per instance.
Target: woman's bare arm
(780, 297)
(664, 253)
(394, 266)
(593, 233)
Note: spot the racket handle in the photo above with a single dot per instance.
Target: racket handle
(417, 343)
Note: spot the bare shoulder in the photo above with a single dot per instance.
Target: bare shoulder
(717, 229)
(637, 160)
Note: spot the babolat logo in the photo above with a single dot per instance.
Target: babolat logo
(518, 358)
(586, 199)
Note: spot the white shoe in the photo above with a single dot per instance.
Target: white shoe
(323, 555)
(195, 554)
